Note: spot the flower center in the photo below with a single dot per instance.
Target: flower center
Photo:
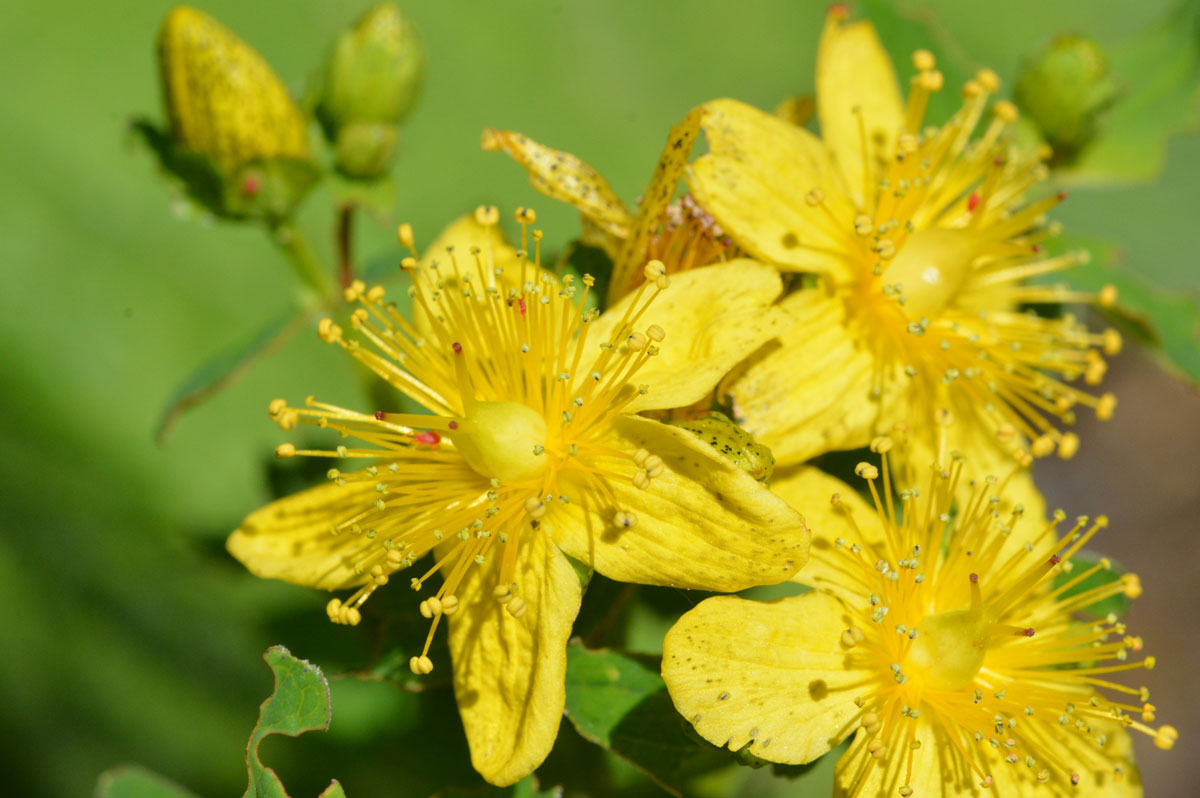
(932, 267)
(504, 440)
(949, 650)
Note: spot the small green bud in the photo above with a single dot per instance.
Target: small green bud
(1064, 90)
(372, 75)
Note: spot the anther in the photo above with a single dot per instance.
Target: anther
(421, 665)
(923, 60)
(404, 233)
(1105, 407)
(525, 215)
(285, 450)
(487, 215)
(866, 471)
(656, 333)
(516, 607)
(1165, 737)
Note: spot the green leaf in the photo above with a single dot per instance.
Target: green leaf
(525, 788)
(1160, 68)
(1117, 605)
(906, 31)
(227, 366)
(1168, 322)
(299, 703)
(620, 703)
(334, 790)
(134, 781)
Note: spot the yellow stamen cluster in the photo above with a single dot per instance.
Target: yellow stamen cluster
(689, 237)
(957, 616)
(940, 249)
(520, 397)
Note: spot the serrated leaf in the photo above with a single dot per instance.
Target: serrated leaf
(1168, 322)
(909, 30)
(1117, 605)
(299, 703)
(620, 703)
(224, 368)
(135, 781)
(1160, 69)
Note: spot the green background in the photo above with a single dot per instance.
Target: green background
(130, 635)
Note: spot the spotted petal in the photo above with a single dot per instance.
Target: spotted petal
(713, 318)
(509, 672)
(772, 676)
(290, 538)
(703, 523)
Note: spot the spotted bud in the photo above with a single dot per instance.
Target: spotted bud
(223, 99)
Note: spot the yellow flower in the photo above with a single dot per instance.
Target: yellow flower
(533, 452)
(936, 639)
(922, 239)
(678, 233)
(223, 98)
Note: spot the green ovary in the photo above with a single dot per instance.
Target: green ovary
(949, 649)
(499, 439)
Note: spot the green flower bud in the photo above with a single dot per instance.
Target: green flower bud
(223, 99)
(1065, 89)
(372, 75)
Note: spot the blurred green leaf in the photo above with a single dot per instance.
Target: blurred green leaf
(134, 781)
(620, 703)
(299, 703)
(1168, 322)
(223, 369)
(1161, 69)
(525, 788)
(377, 197)
(334, 790)
(1117, 605)
(906, 31)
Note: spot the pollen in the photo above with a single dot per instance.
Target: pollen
(520, 399)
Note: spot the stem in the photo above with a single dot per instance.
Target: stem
(345, 243)
(302, 258)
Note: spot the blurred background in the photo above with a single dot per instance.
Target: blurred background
(133, 637)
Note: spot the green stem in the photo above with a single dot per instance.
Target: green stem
(302, 258)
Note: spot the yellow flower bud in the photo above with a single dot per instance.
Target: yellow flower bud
(223, 99)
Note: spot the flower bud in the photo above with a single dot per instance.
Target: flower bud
(1065, 89)
(368, 84)
(223, 99)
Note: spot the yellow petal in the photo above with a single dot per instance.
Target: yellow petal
(562, 176)
(810, 392)
(671, 164)
(290, 538)
(754, 181)
(940, 771)
(703, 523)
(855, 73)
(509, 672)
(713, 318)
(456, 243)
(972, 435)
(771, 675)
(809, 491)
